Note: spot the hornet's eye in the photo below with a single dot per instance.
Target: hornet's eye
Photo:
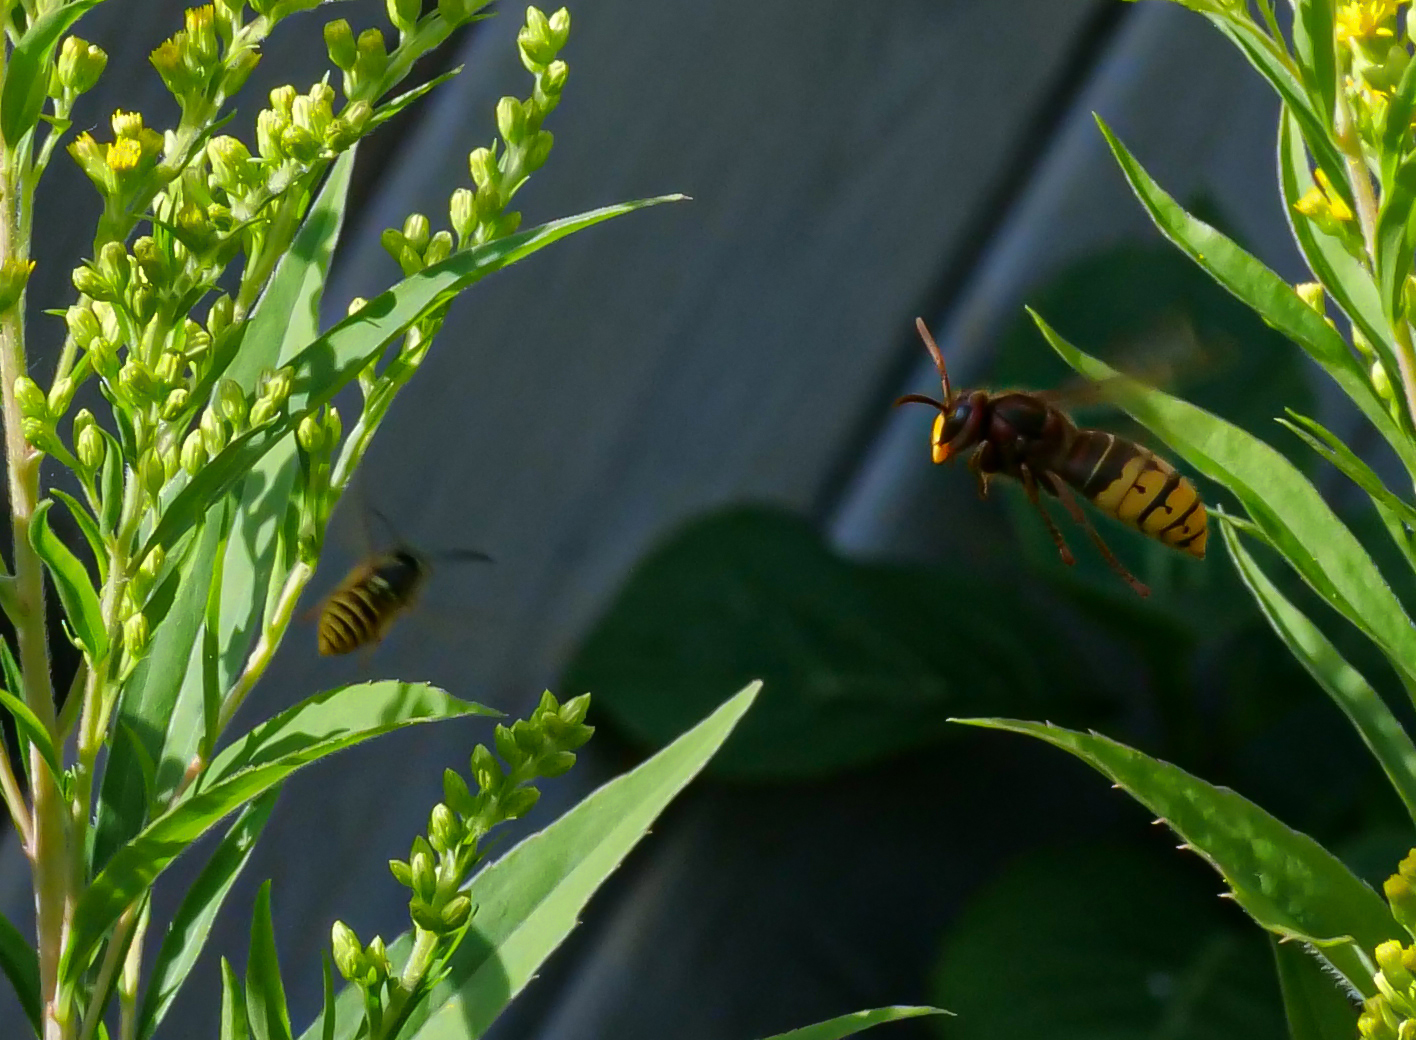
(957, 418)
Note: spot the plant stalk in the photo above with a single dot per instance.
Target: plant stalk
(49, 847)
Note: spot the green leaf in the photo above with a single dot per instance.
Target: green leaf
(20, 964)
(1120, 943)
(858, 661)
(393, 106)
(1397, 514)
(32, 730)
(265, 995)
(1283, 504)
(1342, 275)
(191, 924)
(1392, 237)
(1398, 116)
(1285, 880)
(319, 726)
(71, 580)
(110, 484)
(1267, 293)
(27, 74)
(1315, 1005)
(233, 1006)
(529, 900)
(1313, 47)
(337, 357)
(153, 708)
(1379, 728)
(327, 1009)
(89, 527)
(856, 1022)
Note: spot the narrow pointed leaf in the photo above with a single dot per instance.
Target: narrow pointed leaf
(849, 1025)
(1283, 504)
(1380, 730)
(1285, 880)
(1396, 512)
(150, 708)
(20, 964)
(337, 357)
(530, 899)
(319, 726)
(71, 581)
(265, 994)
(1313, 1001)
(187, 934)
(88, 526)
(29, 727)
(233, 1006)
(1267, 293)
(1313, 47)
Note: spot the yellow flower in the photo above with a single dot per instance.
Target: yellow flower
(1336, 206)
(1362, 20)
(127, 124)
(167, 58)
(124, 155)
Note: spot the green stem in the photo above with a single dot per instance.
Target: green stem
(49, 849)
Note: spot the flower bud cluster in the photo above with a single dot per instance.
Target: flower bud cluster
(479, 214)
(317, 438)
(1391, 1013)
(76, 71)
(540, 747)
(117, 168)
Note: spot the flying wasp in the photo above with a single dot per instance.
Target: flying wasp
(1026, 437)
(363, 607)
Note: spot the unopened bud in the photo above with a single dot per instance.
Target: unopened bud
(348, 954)
(416, 230)
(231, 402)
(175, 404)
(511, 120)
(60, 396)
(456, 912)
(439, 249)
(30, 398)
(90, 445)
(80, 64)
(482, 165)
(309, 435)
(444, 830)
(136, 636)
(461, 213)
(213, 432)
(539, 150)
(339, 41)
(372, 57)
(136, 381)
(14, 275)
(194, 453)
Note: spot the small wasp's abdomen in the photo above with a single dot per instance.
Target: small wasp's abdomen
(1137, 487)
(360, 611)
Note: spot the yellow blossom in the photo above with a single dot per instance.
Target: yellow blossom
(124, 155)
(127, 124)
(1339, 208)
(1362, 20)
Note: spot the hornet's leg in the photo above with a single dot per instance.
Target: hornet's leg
(1030, 486)
(976, 468)
(1070, 502)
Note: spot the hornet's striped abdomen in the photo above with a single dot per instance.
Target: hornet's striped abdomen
(1137, 487)
(361, 610)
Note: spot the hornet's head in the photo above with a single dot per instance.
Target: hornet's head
(956, 425)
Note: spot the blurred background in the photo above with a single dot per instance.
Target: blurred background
(674, 435)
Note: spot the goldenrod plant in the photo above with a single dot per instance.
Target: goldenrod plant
(1347, 175)
(205, 479)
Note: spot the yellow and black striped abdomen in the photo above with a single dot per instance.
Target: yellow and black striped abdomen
(1139, 488)
(360, 611)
